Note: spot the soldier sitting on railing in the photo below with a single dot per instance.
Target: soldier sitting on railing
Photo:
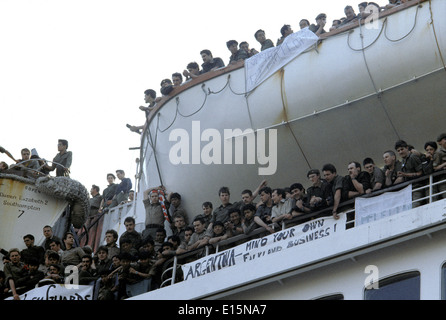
(122, 190)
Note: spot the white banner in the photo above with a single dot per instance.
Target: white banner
(58, 292)
(387, 204)
(261, 66)
(255, 250)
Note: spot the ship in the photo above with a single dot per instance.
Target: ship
(346, 95)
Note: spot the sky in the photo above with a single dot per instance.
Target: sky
(78, 69)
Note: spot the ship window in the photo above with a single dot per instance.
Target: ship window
(404, 286)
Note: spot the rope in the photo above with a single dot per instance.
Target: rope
(199, 109)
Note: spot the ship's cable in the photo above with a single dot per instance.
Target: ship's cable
(156, 158)
(201, 107)
(170, 125)
(372, 43)
(435, 35)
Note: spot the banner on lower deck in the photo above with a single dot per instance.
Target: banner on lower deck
(257, 249)
(261, 66)
(58, 292)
